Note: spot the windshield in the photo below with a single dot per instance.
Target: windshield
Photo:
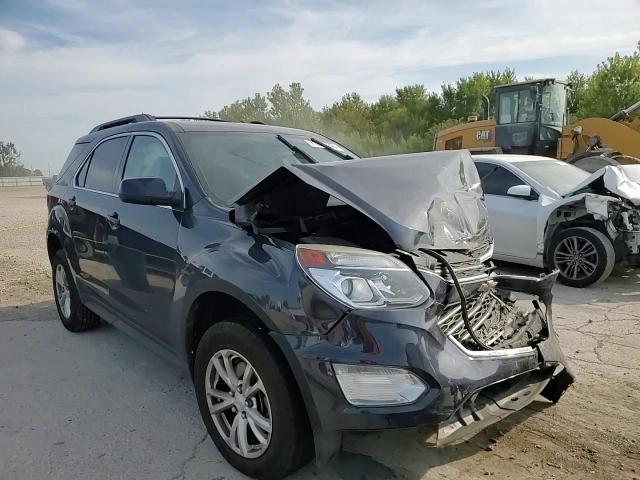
(228, 163)
(560, 177)
(554, 101)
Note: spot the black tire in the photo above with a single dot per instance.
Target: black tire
(604, 256)
(79, 317)
(291, 444)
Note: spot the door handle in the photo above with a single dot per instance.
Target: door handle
(114, 220)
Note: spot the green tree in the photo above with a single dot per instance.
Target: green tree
(250, 109)
(351, 112)
(578, 83)
(613, 86)
(9, 160)
(469, 91)
(290, 108)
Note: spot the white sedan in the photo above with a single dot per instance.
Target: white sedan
(548, 213)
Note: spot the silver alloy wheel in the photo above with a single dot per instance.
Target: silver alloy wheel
(62, 291)
(238, 403)
(576, 257)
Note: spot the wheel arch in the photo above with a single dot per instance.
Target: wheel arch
(53, 244)
(211, 307)
(586, 221)
(216, 305)
(58, 231)
(570, 213)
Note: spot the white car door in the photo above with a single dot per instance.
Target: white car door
(513, 218)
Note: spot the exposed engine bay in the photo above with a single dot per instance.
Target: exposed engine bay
(429, 214)
(500, 315)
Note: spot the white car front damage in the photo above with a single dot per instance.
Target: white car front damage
(611, 196)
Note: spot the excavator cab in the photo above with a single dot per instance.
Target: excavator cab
(530, 116)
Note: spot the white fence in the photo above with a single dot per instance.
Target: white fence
(20, 181)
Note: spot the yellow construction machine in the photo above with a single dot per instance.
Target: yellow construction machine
(532, 118)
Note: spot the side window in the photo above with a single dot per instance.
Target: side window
(148, 158)
(484, 169)
(508, 107)
(101, 168)
(517, 107)
(496, 180)
(82, 175)
(453, 144)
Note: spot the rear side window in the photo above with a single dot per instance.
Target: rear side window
(82, 175)
(75, 157)
(101, 168)
(496, 180)
(453, 144)
(149, 158)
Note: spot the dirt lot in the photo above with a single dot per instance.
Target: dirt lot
(99, 405)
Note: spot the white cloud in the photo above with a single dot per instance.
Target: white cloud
(185, 65)
(10, 41)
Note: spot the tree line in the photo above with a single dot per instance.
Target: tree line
(406, 121)
(10, 165)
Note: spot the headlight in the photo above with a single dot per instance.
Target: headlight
(370, 385)
(362, 278)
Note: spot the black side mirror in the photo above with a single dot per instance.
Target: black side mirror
(148, 191)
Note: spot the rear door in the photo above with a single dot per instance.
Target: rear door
(513, 219)
(90, 207)
(144, 247)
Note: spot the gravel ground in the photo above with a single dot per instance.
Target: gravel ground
(25, 276)
(99, 405)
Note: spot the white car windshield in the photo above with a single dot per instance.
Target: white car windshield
(560, 177)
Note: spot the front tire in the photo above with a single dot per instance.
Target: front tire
(249, 403)
(584, 256)
(74, 315)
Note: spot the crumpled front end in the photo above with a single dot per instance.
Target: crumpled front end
(610, 196)
(467, 387)
(423, 213)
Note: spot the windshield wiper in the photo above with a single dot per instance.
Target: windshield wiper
(297, 150)
(333, 150)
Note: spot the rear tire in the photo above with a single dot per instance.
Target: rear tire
(74, 315)
(283, 441)
(585, 256)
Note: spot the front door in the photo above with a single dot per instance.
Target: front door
(144, 249)
(513, 220)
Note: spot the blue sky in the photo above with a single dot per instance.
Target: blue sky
(66, 66)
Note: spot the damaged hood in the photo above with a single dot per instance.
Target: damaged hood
(621, 180)
(428, 200)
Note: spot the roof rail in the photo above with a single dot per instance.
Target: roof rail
(172, 117)
(142, 117)
(145, 117)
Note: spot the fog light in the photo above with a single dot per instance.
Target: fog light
(368, 385)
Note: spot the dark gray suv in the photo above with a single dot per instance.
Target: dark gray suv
(308, 291)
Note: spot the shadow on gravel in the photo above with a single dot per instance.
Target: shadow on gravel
(35, 312)
(395, 450)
